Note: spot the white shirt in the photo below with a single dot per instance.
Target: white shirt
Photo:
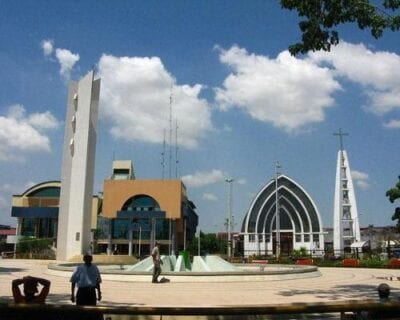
(85, 276)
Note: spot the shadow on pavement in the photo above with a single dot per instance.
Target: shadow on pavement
(9, 270)
(337, 293)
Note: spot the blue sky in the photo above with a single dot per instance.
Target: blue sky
(240, 100)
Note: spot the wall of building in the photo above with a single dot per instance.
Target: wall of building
(168, 193)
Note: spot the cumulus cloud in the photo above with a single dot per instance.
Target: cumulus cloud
(48, 47)
(67, 60)
(200, 179)
(287, 92)
(376, 72)
(392, 124)
(361, 179)
(65, 57)
(209, 197)
(135, 98)
(7, 190)
(21, 133)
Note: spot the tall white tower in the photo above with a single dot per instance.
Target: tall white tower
(346, 228)
(78, 168)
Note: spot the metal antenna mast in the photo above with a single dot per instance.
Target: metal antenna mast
(163, 158)
(176, 149)
(170, 134)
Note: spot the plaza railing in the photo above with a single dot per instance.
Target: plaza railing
(305, 310)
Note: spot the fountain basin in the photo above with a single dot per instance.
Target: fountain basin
(214, 271)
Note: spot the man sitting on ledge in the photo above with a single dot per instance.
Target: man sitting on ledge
(30, 286)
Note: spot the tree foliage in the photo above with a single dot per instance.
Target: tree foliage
(394, 194)
(209, 244)
(321, 18)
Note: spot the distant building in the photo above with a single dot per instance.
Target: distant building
(300, 221)
(37, 210)
(371, 237)
(130, 218)
(137, 212)
(6, 231)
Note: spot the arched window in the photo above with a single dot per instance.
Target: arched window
(141, 203)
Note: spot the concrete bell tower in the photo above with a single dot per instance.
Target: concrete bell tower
(346, 227)
(78, 168)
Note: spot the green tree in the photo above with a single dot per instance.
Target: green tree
(35, 248)
(322, 17)
(394, 194)
(209, 244)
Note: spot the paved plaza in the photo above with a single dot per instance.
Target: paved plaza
(334, 285)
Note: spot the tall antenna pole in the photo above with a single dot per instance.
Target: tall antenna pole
(163, 158)
(170, 135)
(176, 149)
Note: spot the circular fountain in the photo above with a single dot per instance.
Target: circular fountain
(208, 268)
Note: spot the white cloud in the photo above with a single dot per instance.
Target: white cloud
(43, 120)
(67, 60)
(361, 179)
(392, 124)
(48, 47)
(288, 92)
(7, 190)
(210, 197)
(200, 179)
(377, 73)
(20, 133)
(135, 93)
(65, 57)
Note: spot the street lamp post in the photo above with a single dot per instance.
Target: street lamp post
(229, 181)
(277, 215)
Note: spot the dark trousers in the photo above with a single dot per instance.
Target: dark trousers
(156, 272)
(86, 296)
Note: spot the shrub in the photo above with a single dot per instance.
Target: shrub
(373, 262)
(35, 248)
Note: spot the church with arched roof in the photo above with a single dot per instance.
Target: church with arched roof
(299, 223)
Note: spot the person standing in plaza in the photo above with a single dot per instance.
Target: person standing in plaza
(155, 253)
(87, 278)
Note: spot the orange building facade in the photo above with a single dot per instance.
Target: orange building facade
(137, 213)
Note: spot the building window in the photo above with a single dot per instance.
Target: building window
(298, 237)
(260, 238)
(306, 238)
(252, 237)
(315, 237)
(28, 227)
(141, 203)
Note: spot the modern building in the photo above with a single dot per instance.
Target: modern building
(74, 237)
(299, 222)
(346, 225)
(37, 210)
(6, 231)
(136, 213)
(132, 216)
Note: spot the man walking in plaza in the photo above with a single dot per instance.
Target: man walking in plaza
(156, 262)
(87, 278)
